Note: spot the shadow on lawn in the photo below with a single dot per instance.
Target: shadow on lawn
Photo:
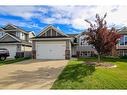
(76, 72)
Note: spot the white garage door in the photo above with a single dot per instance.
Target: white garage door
(11, 48)
(50, 50)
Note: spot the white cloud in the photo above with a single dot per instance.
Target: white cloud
(4, 22)
(69, 15)
(75, 15)
(51, 20)
(79, 24)
(25, 12)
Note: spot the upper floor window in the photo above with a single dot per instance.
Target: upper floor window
(75, 40)
(123, 40)
(84, 42)
(18, 34)
(1, 34)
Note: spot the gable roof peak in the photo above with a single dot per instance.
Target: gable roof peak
(51, 27)
(9, 24)
(7, 34)
(15, 27)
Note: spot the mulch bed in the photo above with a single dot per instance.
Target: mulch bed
(101, 64)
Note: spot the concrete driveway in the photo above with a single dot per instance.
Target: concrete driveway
(31, 74)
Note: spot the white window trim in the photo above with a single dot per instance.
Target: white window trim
(124, 41)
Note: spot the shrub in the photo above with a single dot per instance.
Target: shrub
(123, 57)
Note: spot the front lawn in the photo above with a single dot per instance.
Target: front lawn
(10, 61)
(80, 76)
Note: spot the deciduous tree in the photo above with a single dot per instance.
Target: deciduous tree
(101, 37)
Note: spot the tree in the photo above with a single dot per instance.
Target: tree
(102, 38)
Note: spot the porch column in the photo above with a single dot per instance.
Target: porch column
(67, 51)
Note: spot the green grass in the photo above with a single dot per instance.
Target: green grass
(79, 76)
(10, 61)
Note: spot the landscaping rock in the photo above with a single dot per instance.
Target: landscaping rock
(103, 64)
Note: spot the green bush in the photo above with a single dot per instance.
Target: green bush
(123, 57)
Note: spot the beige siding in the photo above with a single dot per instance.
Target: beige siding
(26, 48)
(31, 35)
(73, 50)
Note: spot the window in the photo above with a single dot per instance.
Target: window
(125, 52)
(23, 36)
(125, 40)
(86, 53)
(122, 52)
(122, 41)
(1, 34)
(18, 34)
(84, 42)
(75, 40)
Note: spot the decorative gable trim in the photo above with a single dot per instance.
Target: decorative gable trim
(7, 34)
(51, 27)
(10, 25)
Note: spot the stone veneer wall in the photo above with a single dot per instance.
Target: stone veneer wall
(67, 51)
(33, 50)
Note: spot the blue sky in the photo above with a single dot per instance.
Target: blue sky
(69, 19)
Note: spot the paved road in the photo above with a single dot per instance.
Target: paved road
(31, 74)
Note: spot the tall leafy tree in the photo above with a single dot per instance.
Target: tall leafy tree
(102, 38)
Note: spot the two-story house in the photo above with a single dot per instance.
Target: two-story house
(15, 39)
(122, 45)
(80, 46)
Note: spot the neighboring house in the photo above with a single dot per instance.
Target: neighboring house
(51, 43)
(122, 45)
(80, 46)
(15, 40)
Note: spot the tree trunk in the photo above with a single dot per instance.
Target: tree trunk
(99, 58)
